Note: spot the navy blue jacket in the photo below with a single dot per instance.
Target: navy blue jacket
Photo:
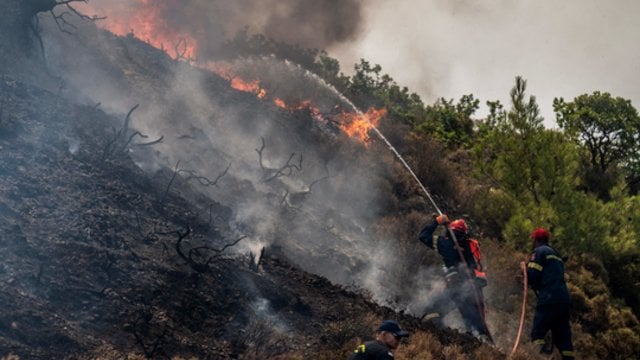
(545, 273)
(446, 246)
(372, 350)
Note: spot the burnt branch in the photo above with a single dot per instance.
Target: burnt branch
(259, 151)
(111, 146)
(120, 141)
(295, 199)
(149, 331)
(181, 50)
(285, 170)
(284, 197)
(203, 180)
(175, 173)
(137, 133)
(199, 252)
(60, 19)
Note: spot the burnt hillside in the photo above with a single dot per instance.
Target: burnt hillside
(129, 229)
(91, 266)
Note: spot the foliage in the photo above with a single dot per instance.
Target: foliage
(368, 87)
(526, 176)
(529, 168)
(314, 60)
(451, 122)
(612, 330)
(609, 129)
(425, 157)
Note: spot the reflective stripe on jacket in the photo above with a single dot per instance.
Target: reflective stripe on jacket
(545, 273)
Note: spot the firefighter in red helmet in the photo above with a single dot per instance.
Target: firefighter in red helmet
(465, 279)
(545, 274)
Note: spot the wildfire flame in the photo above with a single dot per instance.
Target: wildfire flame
(142, 23)
(358, 125)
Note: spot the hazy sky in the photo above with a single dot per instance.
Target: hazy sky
(448, 48)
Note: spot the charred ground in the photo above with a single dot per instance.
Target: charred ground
(102, 260)
(91, 268)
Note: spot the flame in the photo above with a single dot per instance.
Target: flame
(142, 22)
(280, 103)
(252, 86)
(225, 71)
(358, 125)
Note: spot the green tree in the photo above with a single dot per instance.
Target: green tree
(609, 130)
(368, 87)
(449, 122)
(531, 168)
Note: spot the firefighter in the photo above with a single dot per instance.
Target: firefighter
(388, 338)
(545, 274)
(464, 280)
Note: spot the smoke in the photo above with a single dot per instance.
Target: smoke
(319, 213)
(443, 48)
(208, 23)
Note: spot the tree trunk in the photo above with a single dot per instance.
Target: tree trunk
(16, 32)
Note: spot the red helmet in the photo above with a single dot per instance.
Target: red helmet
(459, 225)
(540, 234)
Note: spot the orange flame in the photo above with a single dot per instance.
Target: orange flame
(280, 103)
(358, 125)
(143, 23)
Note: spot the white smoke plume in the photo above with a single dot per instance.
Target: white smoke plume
(444, 48)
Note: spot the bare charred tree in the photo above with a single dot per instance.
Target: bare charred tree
(205, 253)
(18, 23)
(285, 170)
(122, 138)
(295, 199)
(204, 181)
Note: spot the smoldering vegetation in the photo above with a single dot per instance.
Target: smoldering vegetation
(292, 179)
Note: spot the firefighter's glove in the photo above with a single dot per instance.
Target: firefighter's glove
(442, 219)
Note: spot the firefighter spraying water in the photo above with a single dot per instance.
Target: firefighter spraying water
(466, 289)
(463, 273)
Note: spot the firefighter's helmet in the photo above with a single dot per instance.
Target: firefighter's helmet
(459, 225)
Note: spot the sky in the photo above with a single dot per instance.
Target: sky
(448, 48)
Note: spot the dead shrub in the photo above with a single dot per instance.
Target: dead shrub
(421, 345)
(453, 352)
(427, 157)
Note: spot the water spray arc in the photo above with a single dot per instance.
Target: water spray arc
(479, 305)
(382, 137)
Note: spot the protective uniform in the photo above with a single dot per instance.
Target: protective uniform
(467, 295)
(378, 349)
(372, 350)
(545, 273)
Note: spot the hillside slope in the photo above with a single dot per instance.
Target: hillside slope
(102, 259)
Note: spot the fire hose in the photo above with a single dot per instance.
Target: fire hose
(479, 305)
(455, 240)
(524, 306)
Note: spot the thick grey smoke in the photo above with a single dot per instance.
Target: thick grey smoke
(444, 48)
(307, 23)
(320, 216)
